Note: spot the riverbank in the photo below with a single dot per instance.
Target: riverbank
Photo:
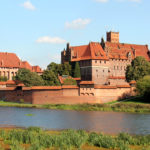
(136, 105)
(34, 138)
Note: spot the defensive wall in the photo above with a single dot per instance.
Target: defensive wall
(65, 94)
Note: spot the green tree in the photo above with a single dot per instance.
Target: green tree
(50, 78)
(77, 73)
(3, 78)
(143, 87)
(66, 69)
(138, 69)
(29, 78)
(70, 82)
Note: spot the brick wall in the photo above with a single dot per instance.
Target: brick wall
(75, 95)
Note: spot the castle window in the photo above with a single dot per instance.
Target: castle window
(95, 61)
(96, 70)
(114, 67)
(105, 61)
(100, 61)
(103, 70)
(117, 67)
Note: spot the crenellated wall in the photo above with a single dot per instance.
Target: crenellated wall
(64, 94)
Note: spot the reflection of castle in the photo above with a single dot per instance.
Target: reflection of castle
(10, 63)
(104, 63)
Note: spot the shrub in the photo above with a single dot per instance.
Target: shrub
(69, 81)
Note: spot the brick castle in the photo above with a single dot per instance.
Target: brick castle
(102, 66)
(104, 63)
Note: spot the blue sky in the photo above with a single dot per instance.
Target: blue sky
(38, 30)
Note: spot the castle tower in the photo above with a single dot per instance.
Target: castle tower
(113, 37)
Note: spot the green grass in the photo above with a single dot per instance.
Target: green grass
(137, 105)
(38, 139)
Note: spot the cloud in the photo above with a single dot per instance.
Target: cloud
(77, 24)
(102, 1)
(53, 40)
(28, 5)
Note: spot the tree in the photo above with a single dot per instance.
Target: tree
(143, 87)
(3, 78)
(61, 69)
(138, 69)
(29, 78)
(50, 78)
(77, 73)
(66, 69)
(70, 82)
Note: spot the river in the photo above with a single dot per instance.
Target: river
(106, 122)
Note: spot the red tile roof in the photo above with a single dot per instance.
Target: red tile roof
(121, 50)
(86, 52)
(11, 60)
(86, 82)
(37, 69)
(133, 82)
(116, 77)
(123, 86)
(104, 87)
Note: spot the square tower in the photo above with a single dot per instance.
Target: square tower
(113, 37)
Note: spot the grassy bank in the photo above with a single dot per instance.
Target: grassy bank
(136, 105)
(34, 138)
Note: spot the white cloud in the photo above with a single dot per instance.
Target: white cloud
(77, 24)
(28, 5)
(53, 40)
(101, 1)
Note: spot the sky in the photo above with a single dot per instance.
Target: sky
(38, 30)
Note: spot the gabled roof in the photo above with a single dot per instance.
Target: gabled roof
(91, 51)
(11, 60)
(121, 50)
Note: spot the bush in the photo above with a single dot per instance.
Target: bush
(70, 82)
(3, 78)
(143, 87)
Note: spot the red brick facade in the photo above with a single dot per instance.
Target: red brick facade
(98, 62)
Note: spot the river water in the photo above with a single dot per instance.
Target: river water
(106, 122)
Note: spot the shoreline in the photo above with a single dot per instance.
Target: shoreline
(34, 137)
(108, 107)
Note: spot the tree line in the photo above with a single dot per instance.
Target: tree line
(139, 70)
(50, 75)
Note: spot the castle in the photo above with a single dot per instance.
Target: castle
(10, 64)
(104, 63)
(102, 66)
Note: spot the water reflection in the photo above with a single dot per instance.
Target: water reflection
(107, 122)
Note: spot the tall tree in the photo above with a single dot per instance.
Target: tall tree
(138, 69)
(77, 73)
(29, 78)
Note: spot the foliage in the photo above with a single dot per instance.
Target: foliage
(38, 139)
(70, 81)
(60, 69)
(3, 78)
(29, 78)
(138, 69)
(143, 87)
(77, 73)
(50, 78)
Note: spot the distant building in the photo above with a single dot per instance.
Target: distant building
(10, 64)
(104, 63)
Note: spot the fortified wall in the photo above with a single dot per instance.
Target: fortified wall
(86, 93)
